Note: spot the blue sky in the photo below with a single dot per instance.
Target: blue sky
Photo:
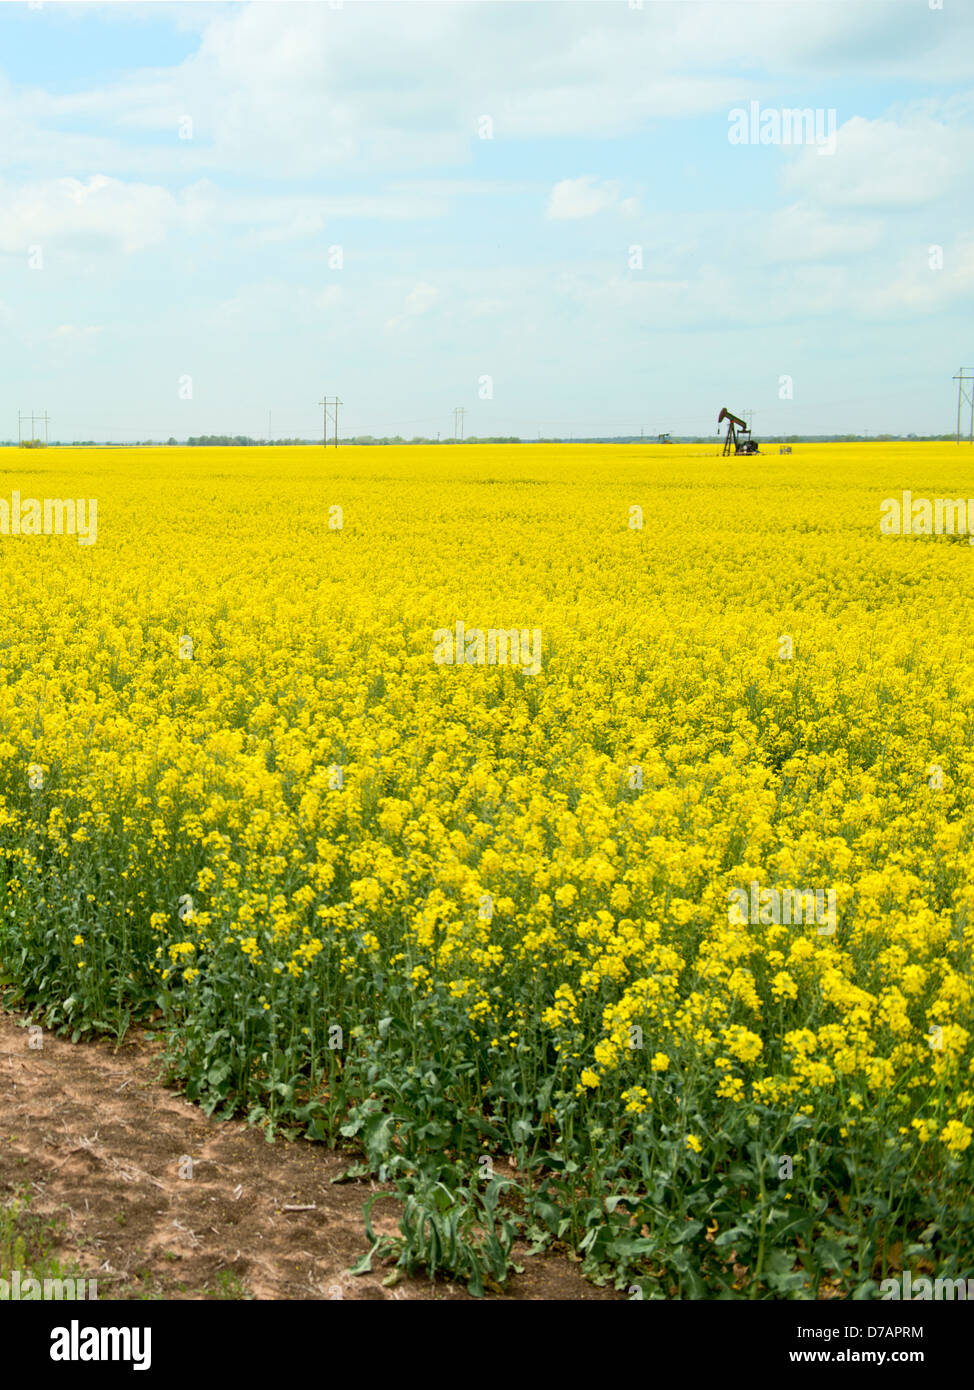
(175, 178)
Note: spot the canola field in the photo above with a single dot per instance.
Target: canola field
(470, 911)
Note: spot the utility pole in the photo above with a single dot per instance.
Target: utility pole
(334, 403)
(965, 393)
(22, 416)
(458, 414)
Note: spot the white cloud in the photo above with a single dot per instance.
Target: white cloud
(72, 332)
(112, 214)
(803, 233)
(68, 213)
(295, 89)
(886, 164)
(582, 197)
(420, 298)
(916, 289)
(417, 302)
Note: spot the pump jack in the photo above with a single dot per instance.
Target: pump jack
(738, 434)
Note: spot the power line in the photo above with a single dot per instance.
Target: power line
(22, 415)
(965, 392)
(334, 403)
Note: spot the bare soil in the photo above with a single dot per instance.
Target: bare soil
(101, 1142)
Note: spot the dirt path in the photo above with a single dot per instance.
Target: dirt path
(101, 1142)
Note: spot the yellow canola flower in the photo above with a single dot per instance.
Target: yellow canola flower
(955, 1137)
(545, 855)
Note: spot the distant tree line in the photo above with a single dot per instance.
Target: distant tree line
(209, 440)
(238, 440)
(422, 439)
